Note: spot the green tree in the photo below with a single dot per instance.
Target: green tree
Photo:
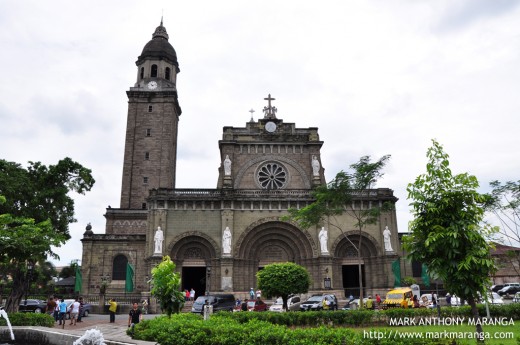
(69, 271)
(35, 215)
(166, 284)
(336, 198)
(283, 280)
(41, 193)
(504, 204)
(446, 232)
(23, 240)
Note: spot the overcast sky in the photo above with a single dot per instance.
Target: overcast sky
(376, 77)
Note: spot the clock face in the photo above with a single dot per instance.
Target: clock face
(152, 85)
(270, 127)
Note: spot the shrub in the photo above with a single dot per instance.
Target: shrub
(29, 319)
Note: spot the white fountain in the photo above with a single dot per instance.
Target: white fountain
(4, 315)
(91, 337)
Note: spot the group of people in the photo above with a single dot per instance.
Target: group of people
(58, 308)
(189, 295)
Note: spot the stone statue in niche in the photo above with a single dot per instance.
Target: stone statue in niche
(226, 241)
(227, 166)
(315, 166)
(386, 238)
(323, 236)
(158, 239)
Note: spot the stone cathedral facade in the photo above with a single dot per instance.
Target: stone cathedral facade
(219, 238)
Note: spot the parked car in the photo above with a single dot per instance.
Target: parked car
(315, 303)
(257, 305)
(293, 304)
(426, 300)
(32, 306)
(508, 291)
(495, 288)
(396, 298)
(354, 304)
(219, 302)
(494, 298)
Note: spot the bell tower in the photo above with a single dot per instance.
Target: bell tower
(152, 123)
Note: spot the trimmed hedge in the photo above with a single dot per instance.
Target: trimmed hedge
(28, 319)
(186, 329)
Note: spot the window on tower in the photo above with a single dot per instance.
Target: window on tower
(167, 73)
(150, 108)
(145, 179)
(148, 132)
(154, 71)
(143, 206)
(146, 156)
(142, 73)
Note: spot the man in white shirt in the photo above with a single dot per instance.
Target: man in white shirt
(74, 311)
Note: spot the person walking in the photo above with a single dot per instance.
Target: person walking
(63, 311)
(134, 317)
(112, 309)
(74, 311)
(51, 305)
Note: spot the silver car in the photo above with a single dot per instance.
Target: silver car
(293, 304)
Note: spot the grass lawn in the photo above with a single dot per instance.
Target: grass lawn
(506, 335)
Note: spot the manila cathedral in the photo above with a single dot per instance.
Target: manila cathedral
(220, 238)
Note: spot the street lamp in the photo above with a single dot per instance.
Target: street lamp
(30, 267)
(208, 274)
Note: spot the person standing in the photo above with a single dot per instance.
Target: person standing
(448, 300)
(112, 309)
(57, 310)
(369, 303)
(378, 301)
(80, 308)
(192, 294)
(134, 316)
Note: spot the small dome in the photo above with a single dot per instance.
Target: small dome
(88, 231)
(159, 48)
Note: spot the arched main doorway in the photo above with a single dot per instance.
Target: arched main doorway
(269, 242)
(346, 255)
(193, 255)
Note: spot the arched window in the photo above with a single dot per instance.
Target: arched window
(167, 73)
(142, 73)
(154, 71)
(119, 267)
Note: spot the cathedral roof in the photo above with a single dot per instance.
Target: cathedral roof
(159, 48)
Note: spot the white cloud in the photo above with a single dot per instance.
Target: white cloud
(377, 77)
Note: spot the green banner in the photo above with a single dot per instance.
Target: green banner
(78, 284)
(396, 269)
(425, 276)
(129, 283)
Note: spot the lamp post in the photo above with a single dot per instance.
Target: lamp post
(30, 267)
(208, 276)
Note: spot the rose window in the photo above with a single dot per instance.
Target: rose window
(272, 176)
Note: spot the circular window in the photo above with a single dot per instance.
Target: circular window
(272, 176)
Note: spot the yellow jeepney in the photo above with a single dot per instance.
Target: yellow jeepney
(399, 298)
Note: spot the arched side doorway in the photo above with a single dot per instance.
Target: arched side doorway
(270, 242)
(193, 255)
(348, 262)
